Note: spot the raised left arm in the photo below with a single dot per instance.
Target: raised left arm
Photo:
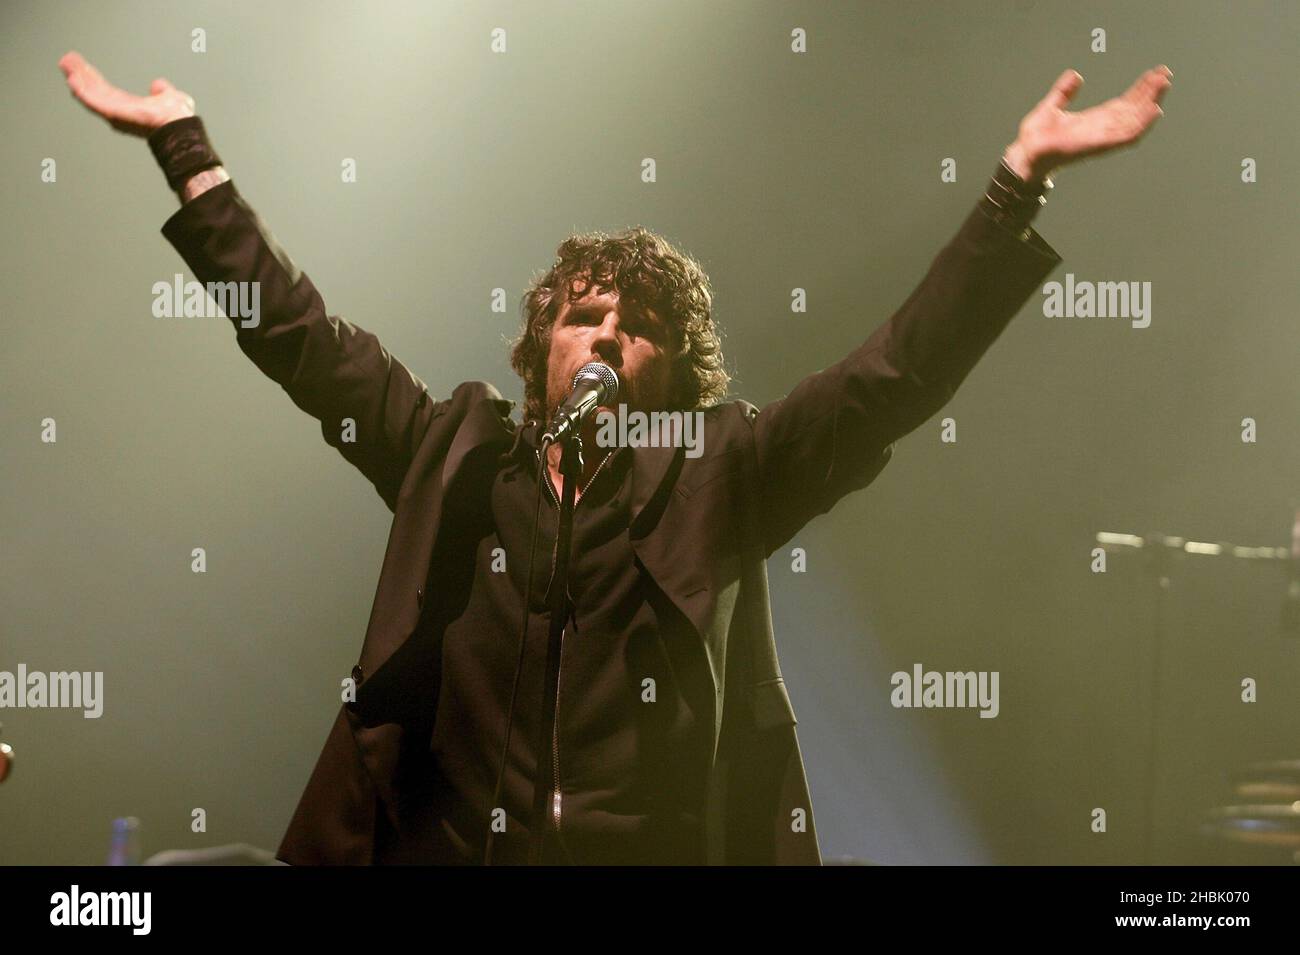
(1049, 137)
(834, 432)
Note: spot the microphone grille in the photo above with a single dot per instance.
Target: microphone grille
(606, 375)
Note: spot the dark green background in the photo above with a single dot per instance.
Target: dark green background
(778, 171)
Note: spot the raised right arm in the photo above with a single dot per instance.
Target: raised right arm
(369, 405)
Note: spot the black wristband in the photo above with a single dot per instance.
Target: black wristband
(1011, 201)
(182, 149)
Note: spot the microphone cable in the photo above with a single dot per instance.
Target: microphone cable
(523, 640)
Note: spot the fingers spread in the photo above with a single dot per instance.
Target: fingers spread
(1063, 90)
(95, 92)
(71, 61)
(1151, 86)
(1163, 82)
(83, 79)
(88, 75)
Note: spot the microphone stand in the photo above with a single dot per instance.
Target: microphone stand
(1159, 551)
(1159, 565)
(546, 780)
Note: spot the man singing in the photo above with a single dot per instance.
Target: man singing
(674, 738)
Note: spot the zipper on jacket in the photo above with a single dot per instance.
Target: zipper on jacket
(556, 797)
(546, 470)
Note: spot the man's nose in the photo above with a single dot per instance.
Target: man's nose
(606, 344)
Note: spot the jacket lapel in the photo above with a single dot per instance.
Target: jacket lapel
(650, 470)
(664, 548)
(484, 429)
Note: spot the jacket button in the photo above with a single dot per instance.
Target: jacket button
(419, 597)
(357, 675)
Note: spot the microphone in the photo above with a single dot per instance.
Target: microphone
(595, 384)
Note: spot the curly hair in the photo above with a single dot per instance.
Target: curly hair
(646, 271)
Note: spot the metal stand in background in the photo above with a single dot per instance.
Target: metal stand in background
(1159, 551)
(1159, 565)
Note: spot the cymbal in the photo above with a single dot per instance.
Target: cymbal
(1268, 824)
(1271, 782)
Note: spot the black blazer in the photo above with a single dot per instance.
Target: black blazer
(702, 527)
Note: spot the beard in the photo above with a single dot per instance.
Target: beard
(559, 391)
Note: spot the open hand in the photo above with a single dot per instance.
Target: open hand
(1050, 137)
(125, 112)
